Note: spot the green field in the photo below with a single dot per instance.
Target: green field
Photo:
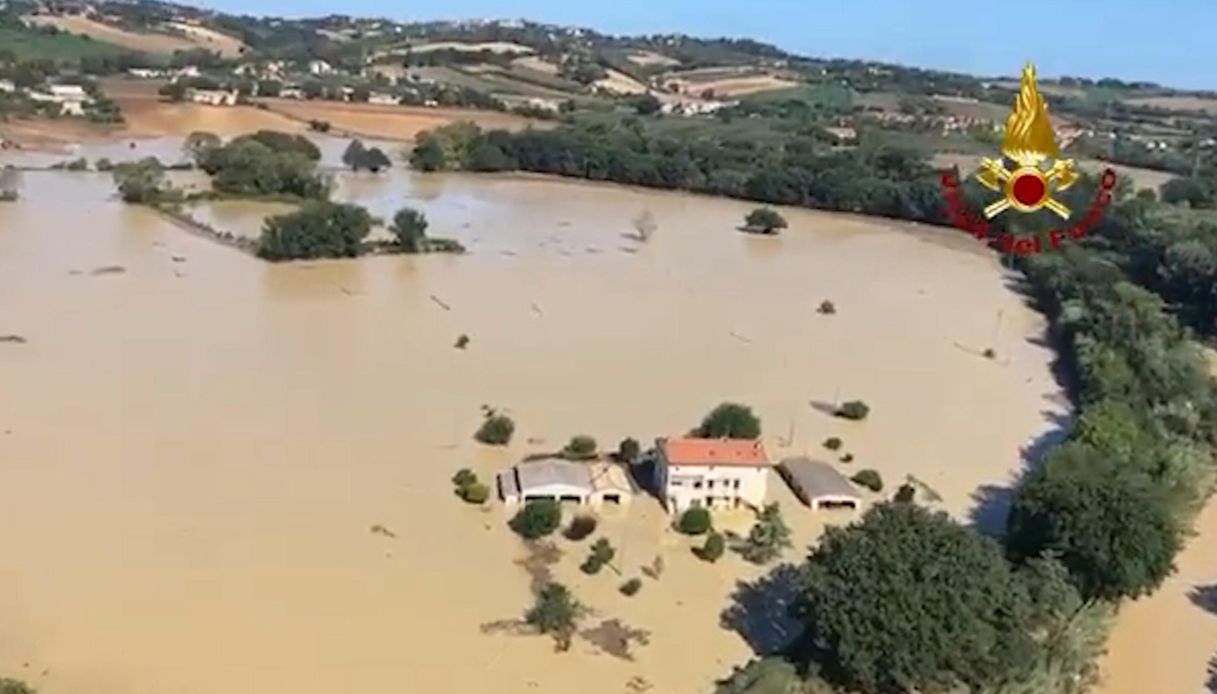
(62, 47)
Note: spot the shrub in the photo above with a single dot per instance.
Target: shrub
(537, 519)
(713, 549)
(410, 229)
(8, 686)
(832, 443)
(847, 458)
(320, 126)
(730, 420)
(464, 477)
(601, 553)
(104, 165)
(629, 450)
(768, 537)
(80, 164)
(869, 479)
(580, 447)
(580, 528)
(462, 342)
(496, 430)
(827, 308)
(854, 409)
(990, 353)
(631, 587)
(476, 493)
(905, 494)
(316, 230)
(765, 220)
(694, 521)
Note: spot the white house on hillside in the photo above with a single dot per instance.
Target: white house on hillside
(212, 97)
(70, 97)
(711, 473)
(319, 67)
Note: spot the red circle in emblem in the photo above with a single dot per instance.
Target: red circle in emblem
(1028, 189)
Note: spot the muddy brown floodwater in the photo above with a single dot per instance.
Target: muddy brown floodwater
(193, 449)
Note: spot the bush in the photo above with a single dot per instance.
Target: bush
(832, 443)
(854, 409)
(321, 126)
(496, 430)
(601, 553)
(764, 220)
(555, 612)
(631, 587)
(629, 450)
(730, 420)
(476, 493)
(869, 479)
(768, 537)
(713, 549)
(694, 521)
(827, 308)
(104, 165)
(8, 686)
(410, 229)
(580, 447)
(537, 519)
(316, 230)
(580, 528)
(905, 494)
(462, 342)
(464, 477)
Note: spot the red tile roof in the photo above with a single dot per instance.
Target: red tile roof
(737, 452)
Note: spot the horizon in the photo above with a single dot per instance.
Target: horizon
(873, 30)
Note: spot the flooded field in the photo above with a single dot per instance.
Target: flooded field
(194, 443)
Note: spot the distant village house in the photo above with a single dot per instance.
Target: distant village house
(383, 99)
(70, 97)
(319, 67)
(212, 97)
(710, 473)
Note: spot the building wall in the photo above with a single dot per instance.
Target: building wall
(714, 486)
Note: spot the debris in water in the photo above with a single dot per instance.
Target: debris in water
(537, 310)
(109, 270)
(462, 342)
(74, 272)
(382, 530)
(741, 338)
(13, 339)
(178, 258)
(440, 303)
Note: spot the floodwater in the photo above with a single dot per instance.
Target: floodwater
(193, 449)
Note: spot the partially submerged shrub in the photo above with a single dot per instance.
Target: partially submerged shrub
(631, 587)
(713, 549)
(601, 553)
(462, 342)
(537, 519)
(580, 528)
(476, 493)
(869, 479)
(847, 458)
(496, 430)
(905, 494)
(832, 443)
(464, 477)
(694, 521)
(827, 308)
(732, 421)
(854, 409)
(629, 450)
(580, 447)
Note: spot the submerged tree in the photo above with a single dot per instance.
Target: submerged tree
(910, 600)
(410, 228)
(768, 537)
(316, 230)
(557, 613)
(730, 420)
(765, 220)
(140, 182)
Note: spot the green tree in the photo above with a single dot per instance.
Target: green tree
(8, 686)
(694, 521)
(199, 144)
(316, 230)
(646, 104)
(909, 600)
(769, 675)
(428, 154)
(557, 613)
(713, 548)
(581, 447)
(1111, 526)
(537, 519)
(765, 220)
(375, 160)
(768, 537)
(730, 420)
(410, 229)
(854, 409)
(353, 156)
(496, 430)
(140, 182)
(600, 554)
(629, 450)
(283, 143)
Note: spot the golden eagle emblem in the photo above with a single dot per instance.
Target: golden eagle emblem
(1028, 142)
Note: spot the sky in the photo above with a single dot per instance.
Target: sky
(1166, 41)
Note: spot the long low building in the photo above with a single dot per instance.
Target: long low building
(592, 484)
(818, 484)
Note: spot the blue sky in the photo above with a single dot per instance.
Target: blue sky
(1168, 41)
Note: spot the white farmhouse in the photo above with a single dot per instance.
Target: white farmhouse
(70, 97)
(711, 473)
(382, 99)
(212, 97)
(319, 67)
(583, 483)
